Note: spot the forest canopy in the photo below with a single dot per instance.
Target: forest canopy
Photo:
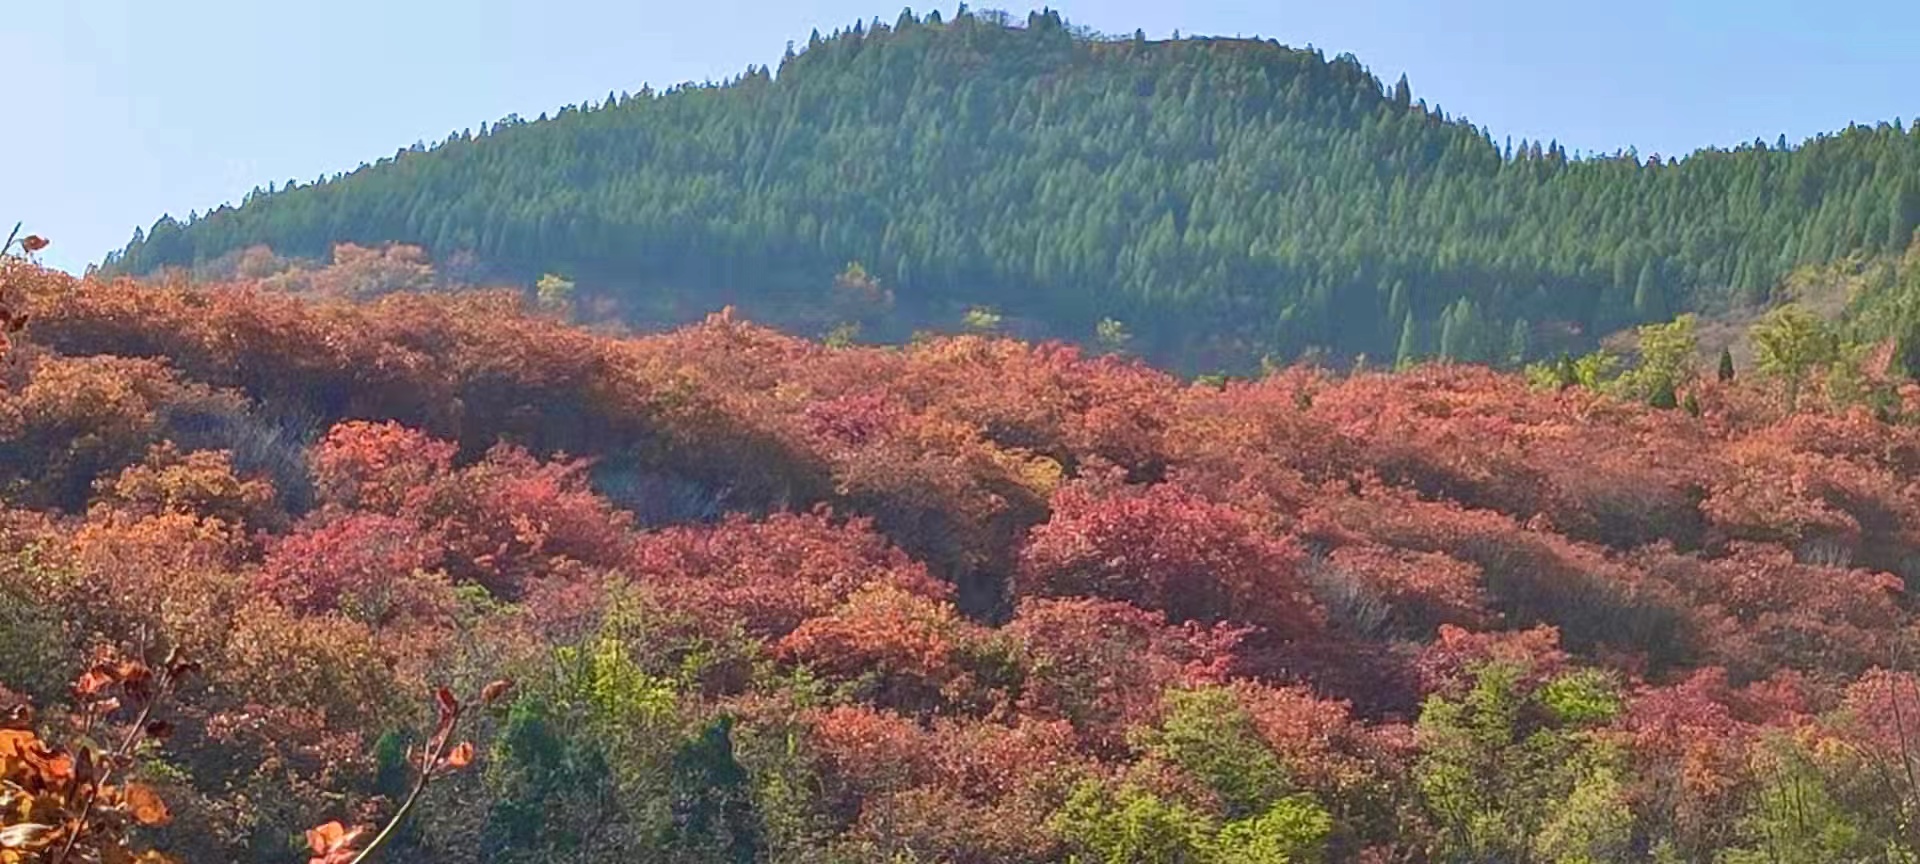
(1224, 199)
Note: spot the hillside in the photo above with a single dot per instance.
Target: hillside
(968, 600)
(1221, 199)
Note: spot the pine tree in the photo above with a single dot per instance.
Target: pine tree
(1517, 342)
(713, 811)
(1566, 371)
(1726, 365)
(1398, 306)
(1663, 397)
(1409, 352)
(1403, 93)
(1905, 215)
(1450, 332)
(1649, 301)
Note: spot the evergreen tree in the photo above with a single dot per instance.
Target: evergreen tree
(1566, 371)
(1664, 398)
(1649, 302)
(1398, 304)
(1517, 342)
(1905, 216)
(713, 815)
(1726, 365)
(964, 201)
(1409, 352)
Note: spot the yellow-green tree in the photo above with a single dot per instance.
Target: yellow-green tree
(1666, 362)
(1789, 343)
(554, 291)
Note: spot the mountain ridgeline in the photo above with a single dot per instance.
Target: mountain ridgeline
(1221, 200)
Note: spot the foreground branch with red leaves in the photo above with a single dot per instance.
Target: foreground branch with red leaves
(68, 802)
(334, 843)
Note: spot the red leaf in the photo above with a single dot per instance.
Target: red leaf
(462, 755)
(493, 691)
(449, 706)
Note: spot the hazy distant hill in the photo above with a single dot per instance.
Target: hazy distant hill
(1221, 199)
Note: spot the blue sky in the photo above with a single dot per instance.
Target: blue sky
(121, 111)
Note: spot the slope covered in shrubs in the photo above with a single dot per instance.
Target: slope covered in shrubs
(968, 600)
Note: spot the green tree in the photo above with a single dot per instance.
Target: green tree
(1111, 336)
(1518, 342)
(1905, 215)
(551, 788)
(1409, 351)
(1789, 343)
(981, 319)
(1794, 817)
(712, 800)
(1664, 397)
(1511, 772)
(554, 292)
(1132, 826)
(959, 196)
(1566, 371)
(1649, 299)
(1725, 371)
(842, 335)
(1211, 739)
(1595, 371)
(1207, 737)
(1293, 831)
(1666, 362)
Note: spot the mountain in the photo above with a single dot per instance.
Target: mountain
(1219, 200)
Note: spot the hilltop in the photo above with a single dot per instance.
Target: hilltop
(1218, 200)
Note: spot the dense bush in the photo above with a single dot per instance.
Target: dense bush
(969, 600)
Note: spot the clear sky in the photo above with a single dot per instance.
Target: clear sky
(119, 111)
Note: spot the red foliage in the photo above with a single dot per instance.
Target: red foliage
(963, 792)
(373, 566)
(1292, 538)
(1766, 611)
(510, 518)
(201, 483)
(900, 649)
(1102, 665)
(500, 522)
(1447, 665)
(1325, 748)
(1422, 590)
(771, 575)
(1165, 549)
(78, 419)
(382, 467)
(1881, 711)
(1530, 574)
(1689, 747)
